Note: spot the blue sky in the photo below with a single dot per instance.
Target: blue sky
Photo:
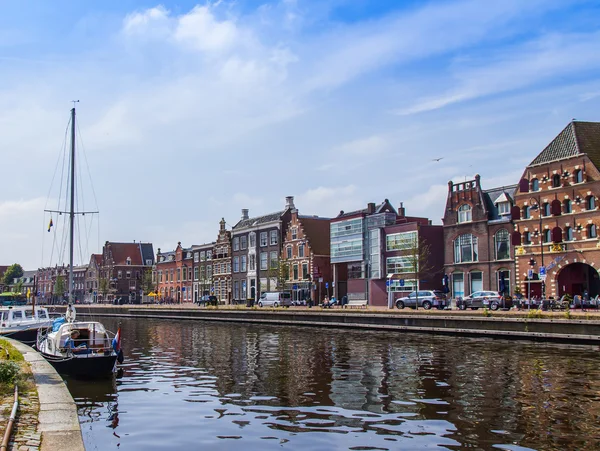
(192, 111)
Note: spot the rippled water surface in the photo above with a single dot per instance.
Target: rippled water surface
(202, 385)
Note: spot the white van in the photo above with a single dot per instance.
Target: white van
(275, 299)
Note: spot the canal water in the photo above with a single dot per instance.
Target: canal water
(218, 386)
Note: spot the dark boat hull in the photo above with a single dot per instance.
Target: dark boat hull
(88, 366)
(27, 336)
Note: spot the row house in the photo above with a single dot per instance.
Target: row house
(477, 234)
(305, 256)
(79, 291)
(174, 272)
(256, 248)
(47, 283)
(123, 267)
(26, 283)
(221, 265)
(92, 279)
(556, 216)
(202, 270)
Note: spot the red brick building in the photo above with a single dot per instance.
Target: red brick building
(174, 275)
(556, 223)
(477, 230)
(305, 254)
(221, 265)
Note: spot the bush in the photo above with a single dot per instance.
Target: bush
(8, 372)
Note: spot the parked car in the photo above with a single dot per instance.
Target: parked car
(426, 299)
(207, 300)
(275, 299)
(488, 299)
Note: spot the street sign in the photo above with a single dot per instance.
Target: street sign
(542, 271)
(401, 282)
(543, 277)
(39, 293)
(326, 284)
(333, 284)
(387, 283)
(530, 274)
(182, 288)
(320, 279)
(294, 287)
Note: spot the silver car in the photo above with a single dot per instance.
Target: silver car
(426, 299)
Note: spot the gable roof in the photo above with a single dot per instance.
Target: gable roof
(120, 252)
(378, 209)
(317, 230)
(258, 220)
(577, 138)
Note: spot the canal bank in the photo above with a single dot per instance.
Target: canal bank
(554, 328)
(57, 423)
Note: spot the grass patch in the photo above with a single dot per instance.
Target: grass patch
(11, 358)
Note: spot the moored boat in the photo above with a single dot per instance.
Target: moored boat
(23, 322)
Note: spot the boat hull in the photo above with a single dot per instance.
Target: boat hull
(27, 336)
(88, 366)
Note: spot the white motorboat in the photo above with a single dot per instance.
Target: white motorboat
(23, 322)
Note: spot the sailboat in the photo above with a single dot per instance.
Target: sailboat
(78, 348)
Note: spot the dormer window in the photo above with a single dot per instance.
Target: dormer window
(503, 208)
(128, 261)
(464, 213)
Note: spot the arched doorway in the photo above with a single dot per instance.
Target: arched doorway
(575, 278)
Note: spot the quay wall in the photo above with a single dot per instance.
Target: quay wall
(585, 331)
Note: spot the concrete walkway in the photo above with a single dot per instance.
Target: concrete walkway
(58, 423)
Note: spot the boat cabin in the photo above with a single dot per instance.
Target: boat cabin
(91, 334)
(14, 316)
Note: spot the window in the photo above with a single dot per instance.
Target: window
(350, 248)
(591, 231)
(525, 212)
(243, 263)
(578, 176)
(526, 237)
(568, 234)
(546, 209)
(535, 185)
(504, 208)
(209, 271)
(244, 295)
(160, 276)
(590, 203)
(236, 289)
(294, 233)
(465, 249)
(236, 264)
(458, 284)
(178, 275)
(354, 270)
(184, 273)
(274, 259)
(202, 256)
(252, 266)
(195, 273)
(503, 278)
(274, 237)
(476, 281)
(502, 247)
(236, 244)
(556, 181)
(301, 250)
(567, 206)
(399, 265)
(243, 242)
(171, 275)
(344, 228)
(128, 261)
(263, 260)
(295, 272)
(401, 241)
(547, 236)
(305, 270)
(263, 239)
(252, 239)
(119, 274)
(208, 255)
(128, 274)
(288, 251)
(464, 213)
(195, 257)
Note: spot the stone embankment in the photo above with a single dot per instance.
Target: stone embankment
(544, 326)
(56, 425)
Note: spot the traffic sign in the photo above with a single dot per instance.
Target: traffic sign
(320, 279)
(326, 284)
(387, 283)
(530, 274)
(542, 271)
(294, 287)
(543, 277)
(401, 282)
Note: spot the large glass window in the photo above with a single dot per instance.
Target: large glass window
(476, 281)
(301, 250)
(243, 264)
(252, 264)
(458, 284)
(354, 271)
(375, 253)
(465, 249)
(546, 209)
(503, 208)
(264, 263)
(274, 259)
(252, 239)
(526, 237)
(295, 269)
(348, 227)
(401, 241)
(547, 235)
(350, 248)
(288, 251)
(464, 213)
(502, 245)
(398, 265)
(304, 271)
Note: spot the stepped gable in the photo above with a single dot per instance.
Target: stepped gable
(97, 258)
(317, 230)
(576, 139)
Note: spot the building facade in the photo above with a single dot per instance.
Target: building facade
(174, 275)
(221, 265)
(202, 270)
(477, 234)
(92, 279)
(304, 261)
(556, 222)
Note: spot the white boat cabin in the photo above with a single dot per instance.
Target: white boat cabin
(92, 334)
(22, 316)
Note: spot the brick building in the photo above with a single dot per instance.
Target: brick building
(221, 265)
(46, 283)
(477, 230)
(202, 270)
(92, 279)
(556, 222)
(174, 273)
(305, 256)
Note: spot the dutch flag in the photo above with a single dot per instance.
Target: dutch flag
(116, 343)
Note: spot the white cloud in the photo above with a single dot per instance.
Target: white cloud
(370, 146)
(202, 31)
(327, 201)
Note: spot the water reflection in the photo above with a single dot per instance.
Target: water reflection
(214, 386)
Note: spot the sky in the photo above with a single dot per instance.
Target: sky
(190, 111)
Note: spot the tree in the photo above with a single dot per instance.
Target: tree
(60, 287)
(417, 256)
(148, 284)
(103, 286)
(279, 271)
(12, 272)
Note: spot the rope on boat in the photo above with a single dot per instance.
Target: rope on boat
(11, 421)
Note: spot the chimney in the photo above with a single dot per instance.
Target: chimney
(370, 208)
(401, 210)
(244, 213)
(289, 202)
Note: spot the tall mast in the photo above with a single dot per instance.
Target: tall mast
(72, 209)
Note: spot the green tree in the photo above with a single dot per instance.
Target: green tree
(417, 256)
(279, 271)
(148, 284)
(60, 287)
(103, 286)
(13, 271)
